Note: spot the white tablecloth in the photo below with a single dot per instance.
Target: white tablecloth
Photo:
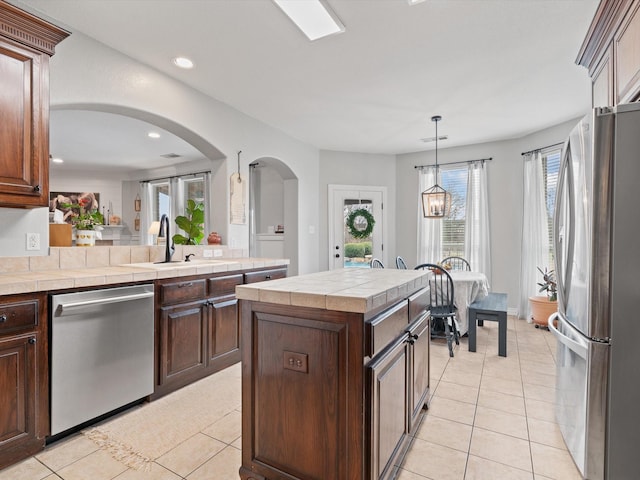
(467, 288)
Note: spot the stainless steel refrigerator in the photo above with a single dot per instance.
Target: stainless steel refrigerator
(597, 261)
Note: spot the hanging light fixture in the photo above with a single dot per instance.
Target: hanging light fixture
(436, 201)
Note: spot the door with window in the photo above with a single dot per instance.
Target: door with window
(356, 233)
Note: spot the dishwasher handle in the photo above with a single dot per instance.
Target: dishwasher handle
(101, 301)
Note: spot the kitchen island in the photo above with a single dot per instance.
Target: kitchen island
(335, 373)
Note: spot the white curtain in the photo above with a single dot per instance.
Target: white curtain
(535, 231)
(477, 239)
(429, 243)
(146, 195)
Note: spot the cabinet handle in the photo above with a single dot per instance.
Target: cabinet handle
(36, 188)
(267, 277)
(186, 284)
(3, 318)
(413, 335)
(32, 340)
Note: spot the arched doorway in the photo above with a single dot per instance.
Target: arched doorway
(273, 211)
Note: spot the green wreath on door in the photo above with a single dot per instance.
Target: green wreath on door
(354, 217)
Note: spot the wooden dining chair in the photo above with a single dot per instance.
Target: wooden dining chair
(375, 263)
(443, 310)
(456, 263)
(400, 263)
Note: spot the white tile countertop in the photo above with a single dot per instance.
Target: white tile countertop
(74, 267)
(355, 290)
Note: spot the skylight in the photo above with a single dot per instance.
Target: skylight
(313, 17)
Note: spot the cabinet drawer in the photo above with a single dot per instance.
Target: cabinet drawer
(262, 275)
(221, 286)
(418, 303)
(381, 330)
(18, 316)
(183, 291)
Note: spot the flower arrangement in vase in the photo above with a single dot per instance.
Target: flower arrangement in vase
(86, 221)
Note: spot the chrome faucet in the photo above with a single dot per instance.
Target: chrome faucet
(165, 231)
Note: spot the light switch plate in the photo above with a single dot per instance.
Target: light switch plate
(217, 252)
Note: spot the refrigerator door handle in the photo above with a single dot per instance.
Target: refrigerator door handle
(580, 346)
(565, 179)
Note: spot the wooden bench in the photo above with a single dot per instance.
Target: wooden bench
(492, 307)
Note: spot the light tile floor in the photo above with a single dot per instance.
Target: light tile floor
(490, 418)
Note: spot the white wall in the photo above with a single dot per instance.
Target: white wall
(505, 179)
(16, 223)
(347, 168)
(86, 73)
(269, 199)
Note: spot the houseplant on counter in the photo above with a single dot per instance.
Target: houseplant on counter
(542, 306)
(192, 223)
(86, 221)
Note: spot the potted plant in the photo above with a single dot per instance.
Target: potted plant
(192, 223)
(542, 306)
(85, 220)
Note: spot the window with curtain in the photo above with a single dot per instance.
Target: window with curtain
(465, 232)
(454, 181)
(550, 170)
(541, 169)
(169, 196)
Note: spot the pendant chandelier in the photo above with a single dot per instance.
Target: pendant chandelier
(436, 201)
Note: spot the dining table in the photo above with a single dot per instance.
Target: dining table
(467, 288)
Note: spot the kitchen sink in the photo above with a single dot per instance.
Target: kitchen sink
(178, 264)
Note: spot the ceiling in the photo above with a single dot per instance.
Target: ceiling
(494, 69)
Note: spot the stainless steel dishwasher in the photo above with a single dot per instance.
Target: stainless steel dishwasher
(101, 352)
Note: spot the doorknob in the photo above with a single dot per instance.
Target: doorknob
(337, 255)
(337, 247)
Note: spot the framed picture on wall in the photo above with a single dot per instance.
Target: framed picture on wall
(80, 202)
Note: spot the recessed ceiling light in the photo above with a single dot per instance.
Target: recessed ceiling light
(153, 135)
(413, 2)
(313, 17)
(183, 62)
(57, 160)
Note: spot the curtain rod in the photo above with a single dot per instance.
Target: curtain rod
(173, 176)
(454, 163)
(543, 148)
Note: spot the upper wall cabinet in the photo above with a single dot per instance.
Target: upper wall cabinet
(611, 52)
(26, 43)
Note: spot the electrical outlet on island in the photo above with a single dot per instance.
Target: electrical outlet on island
(207, 253)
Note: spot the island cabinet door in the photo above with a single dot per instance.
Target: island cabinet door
(418, 368)
(388, 415)
(182, 342)
(298, 418)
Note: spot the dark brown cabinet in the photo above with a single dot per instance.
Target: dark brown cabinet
(611, 52)
(389, 407)
(26, 43)
(328, 394)
(418, 370)
(24, 384)
(224, 322)
(198, 326)
(183, 331)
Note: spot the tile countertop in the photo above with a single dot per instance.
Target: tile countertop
(356, 290)
(57, 279)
